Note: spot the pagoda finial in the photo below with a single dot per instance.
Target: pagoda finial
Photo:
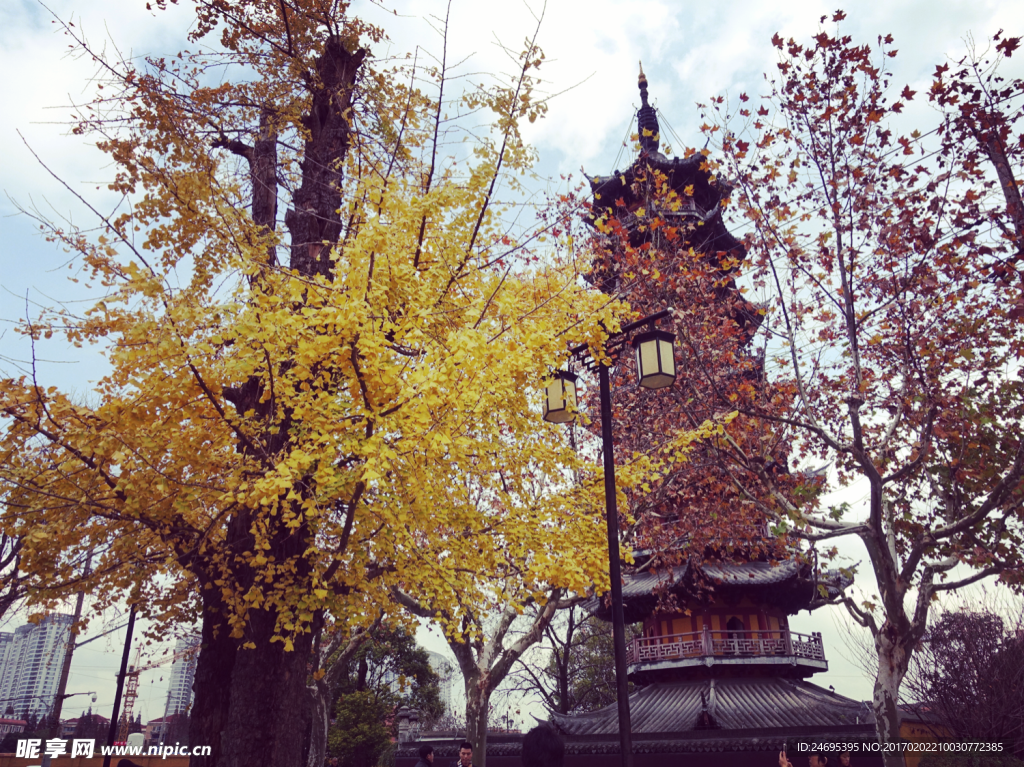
(646, 118)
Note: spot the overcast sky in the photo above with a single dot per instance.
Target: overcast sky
(690, 51)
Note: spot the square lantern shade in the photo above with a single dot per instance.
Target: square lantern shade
(655, 358)
(560, 397)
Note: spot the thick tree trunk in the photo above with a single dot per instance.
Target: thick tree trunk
(478, 700)
(251, 705)
(212, 683)
(893, 661)
(268, 699)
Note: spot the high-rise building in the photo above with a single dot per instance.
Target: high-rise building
(183, 674)
(445, 671)
(30, 663)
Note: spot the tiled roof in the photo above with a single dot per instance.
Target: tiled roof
(752, 573)
(734, 704)
(796, 578)
(724, 573)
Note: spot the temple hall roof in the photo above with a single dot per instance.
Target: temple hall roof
(759, 703)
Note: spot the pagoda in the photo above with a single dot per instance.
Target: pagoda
(718, 668)
(718, 671)
(720, 677)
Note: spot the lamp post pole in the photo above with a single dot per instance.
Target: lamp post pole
(65, 669)
(615, 571)
(663, 359)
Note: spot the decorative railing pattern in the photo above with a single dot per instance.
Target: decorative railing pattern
(725, 644)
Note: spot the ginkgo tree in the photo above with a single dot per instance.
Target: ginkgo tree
(324, 351)
(492, 616)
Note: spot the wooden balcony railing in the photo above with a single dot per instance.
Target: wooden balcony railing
(725, 644)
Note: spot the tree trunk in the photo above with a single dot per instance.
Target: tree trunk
(893, 661)
(320, 722)
(478, 700)
(252, 704)
(313, 221)
(268, 699)
(212, 683)
(563, 684)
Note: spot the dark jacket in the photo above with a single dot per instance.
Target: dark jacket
(423, 763)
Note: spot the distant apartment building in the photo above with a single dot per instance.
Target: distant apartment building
(30, 662)
(445, 671)
(183, 674)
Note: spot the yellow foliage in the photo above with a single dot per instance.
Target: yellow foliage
(390, 433)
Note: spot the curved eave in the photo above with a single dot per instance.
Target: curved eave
(681, 172)
(787, 584)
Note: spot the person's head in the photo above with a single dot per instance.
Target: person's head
(466, 753)
(844, 759)
(542, 747)
(817, 759)
(427, 754)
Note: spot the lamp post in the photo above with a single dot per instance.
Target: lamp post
(121, 676)
(656, 369)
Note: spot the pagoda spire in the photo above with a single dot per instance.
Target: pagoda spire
(646, 119)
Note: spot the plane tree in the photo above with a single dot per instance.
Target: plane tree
(886, 263)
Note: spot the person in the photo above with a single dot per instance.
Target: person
(845, 759)
(426, 756)
(814, 759)
(465, 755)
(542, 747)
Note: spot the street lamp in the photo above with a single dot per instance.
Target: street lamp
(55, 698)
(655, 358)
(560, 397)
(67, 695)
(656, 369)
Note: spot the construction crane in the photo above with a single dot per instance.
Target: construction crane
(131, 687)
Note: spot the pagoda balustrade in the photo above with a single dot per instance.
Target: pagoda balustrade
(709, 643)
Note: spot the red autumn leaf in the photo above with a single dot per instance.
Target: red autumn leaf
(1008, 46)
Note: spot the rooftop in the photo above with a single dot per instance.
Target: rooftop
(790, 583)
(769, 703)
